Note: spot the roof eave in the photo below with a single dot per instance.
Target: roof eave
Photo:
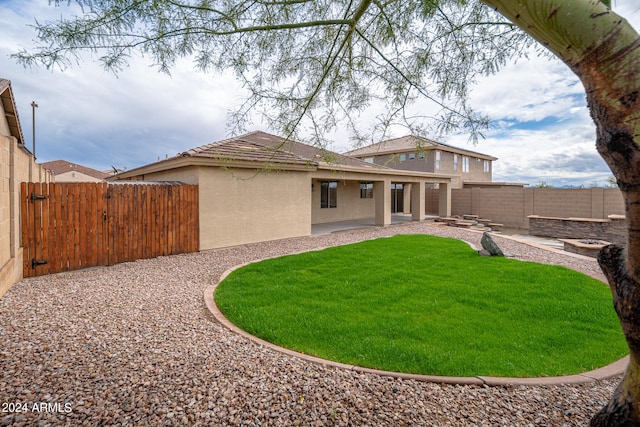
(383, 171)
(10, 110)
(185, 161)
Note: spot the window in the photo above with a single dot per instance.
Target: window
(437, 160)
(368, 159)
(328, 194)
(403, 157)
(487, 166)
(421, 155)
(455, 163)
(465, 164)
(412, 156)
(366, 190)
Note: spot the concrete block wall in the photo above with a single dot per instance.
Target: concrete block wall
(513, 206)
(16, 165)
(461, 200)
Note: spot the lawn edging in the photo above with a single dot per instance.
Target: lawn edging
(611, 370)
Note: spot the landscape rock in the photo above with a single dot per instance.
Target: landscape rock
(490, 245)
(484, 252)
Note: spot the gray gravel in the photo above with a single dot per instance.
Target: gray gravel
(133, 344)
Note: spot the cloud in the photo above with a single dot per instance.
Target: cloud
(129, 119)
(529, 90)
(96, 118)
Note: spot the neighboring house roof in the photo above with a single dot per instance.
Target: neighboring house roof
(411, 143)
(59, 167)
(263, 147)
(10, 110)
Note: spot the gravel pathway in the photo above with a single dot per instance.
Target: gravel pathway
(133, 344)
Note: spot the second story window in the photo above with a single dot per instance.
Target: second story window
(412, 156)
(487, 166)
(465, 164)
(437, 160)
(455, 163)
(403, 157)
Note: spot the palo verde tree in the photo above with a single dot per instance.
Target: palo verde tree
(314, 64)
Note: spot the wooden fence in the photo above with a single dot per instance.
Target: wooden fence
(69, 226)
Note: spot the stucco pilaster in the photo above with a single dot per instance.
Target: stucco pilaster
(382, 196)
(417, 201)
(444, 209)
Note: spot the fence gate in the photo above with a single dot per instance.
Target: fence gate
(69, 226)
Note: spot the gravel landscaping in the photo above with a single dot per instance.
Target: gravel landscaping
(133, 344)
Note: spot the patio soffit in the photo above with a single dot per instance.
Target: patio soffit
(330, 171)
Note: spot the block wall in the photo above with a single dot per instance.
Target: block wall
(16, 165)
(512, 206)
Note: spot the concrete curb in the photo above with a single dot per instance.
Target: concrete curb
(608, 371)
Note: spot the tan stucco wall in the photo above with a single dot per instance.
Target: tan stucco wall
(349, 204)
(476, 170)
(417, 164)
(240, 206)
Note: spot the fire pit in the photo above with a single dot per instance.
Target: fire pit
(587, 247)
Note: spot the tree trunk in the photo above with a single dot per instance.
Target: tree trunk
(603, 50)
(622, 409)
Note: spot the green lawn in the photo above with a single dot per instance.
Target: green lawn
(427, 305)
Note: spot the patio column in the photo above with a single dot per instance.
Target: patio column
(382, 197)
(444, 209)
(417, 201)
(406, 198)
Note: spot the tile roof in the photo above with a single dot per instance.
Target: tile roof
(58, 167)
(408, 143)
(251, 147)
(263, 147)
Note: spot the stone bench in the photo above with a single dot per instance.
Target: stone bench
(465, 223)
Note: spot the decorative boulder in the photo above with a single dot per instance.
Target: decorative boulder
(490, 246)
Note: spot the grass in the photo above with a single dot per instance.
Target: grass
(427, 305)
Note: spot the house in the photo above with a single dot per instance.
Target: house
(64, 171)
(259, 187)
(415, 153)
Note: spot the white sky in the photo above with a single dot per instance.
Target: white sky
(541, 128)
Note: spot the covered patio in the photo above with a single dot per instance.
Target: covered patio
(358, 197)
(355, 224)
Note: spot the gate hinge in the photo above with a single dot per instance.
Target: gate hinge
(35, 197)
(37, 262)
